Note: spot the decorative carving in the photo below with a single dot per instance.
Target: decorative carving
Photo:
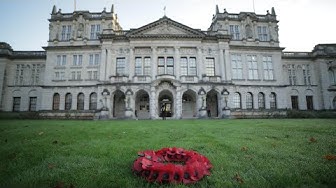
(143, 51)
(249, 32)
(188, 50)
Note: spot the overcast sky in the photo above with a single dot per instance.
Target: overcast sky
(303, 23)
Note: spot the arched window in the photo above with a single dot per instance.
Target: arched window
(334, 103)
(80, 101)
(68, 101)
(236, 100)
(93, 101)
(273, 103)
(332, 77)
(261, 100)
(56, 101)
(249, 101)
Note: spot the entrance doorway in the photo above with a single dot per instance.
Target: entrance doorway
(166, 104)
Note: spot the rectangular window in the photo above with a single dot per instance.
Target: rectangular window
(63, 60)
(237, 66)
(59, 60)
(170, 65)
(165, 65)
(19, 74)
(121, 66)
(66, 32)
(309, 101)
(32, 103)
(77, 60)
(35, 74)
(16, 104)
(234, 31)
(79, 75)
(95, 75)
(252, 67)
(138, 66)
(268, 68)
(147, 66)
(262, 33)
(73, 75)
(161, 65)
(188, 66)
(94, 59)
(184, 66)
(210, 66)
(306, 75)
(295, 102)
(95, 29)
(292, 74)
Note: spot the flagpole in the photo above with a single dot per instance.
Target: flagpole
(74, 5)
(253, 7)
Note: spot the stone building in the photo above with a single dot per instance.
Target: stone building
(92, 67)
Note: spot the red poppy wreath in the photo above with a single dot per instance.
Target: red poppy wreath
(171, 165)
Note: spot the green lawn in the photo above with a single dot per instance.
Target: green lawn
(247, 153)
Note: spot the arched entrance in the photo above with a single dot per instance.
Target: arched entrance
(166, 104)
(142, 105)
(189, 104)
(119, 104)
(212, 103)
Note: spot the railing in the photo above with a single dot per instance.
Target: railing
(211, 78)
(123, 78)
(296, 54)
(29, 53)
(142, 78)
(191, 79)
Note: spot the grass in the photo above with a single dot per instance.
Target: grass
(244, 153)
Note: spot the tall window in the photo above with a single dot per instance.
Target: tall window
(252, 67)
(309, 101)
(35, 74)
(77, 60)
(210, 66)
(295, 102)
(261, 100)
(32, 103)
(92, 75)
(142, 66)
(121, 66)
(94, 59)
(306, 75)
(332, 77)
(262, 33)
(60, 75)
(273, 103)
(268, 68)
(237, 66)
(56, 102)
(166, 65)
(61, 60)
(93, 101)
(76, 75)
(188, 66)
(80, 101)
(19, 74)
(236, 100)
(16, 104)
(249, 101)
(292, 75)
(66, 32)
(234, 31)
(95, 29)
(68, 101)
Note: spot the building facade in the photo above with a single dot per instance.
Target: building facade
(92, 66)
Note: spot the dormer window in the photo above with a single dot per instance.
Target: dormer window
(95, 29)
(235, 32)
(66, 32)
(262, 33)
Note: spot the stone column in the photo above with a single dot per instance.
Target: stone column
(222, 63)
(153, 104)
(154, 63)
(178, 103)
(131, 65)
(200, 64)
(103, 64)
(177, 63)
(227, 64)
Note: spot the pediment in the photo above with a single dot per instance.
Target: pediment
(165, 27)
